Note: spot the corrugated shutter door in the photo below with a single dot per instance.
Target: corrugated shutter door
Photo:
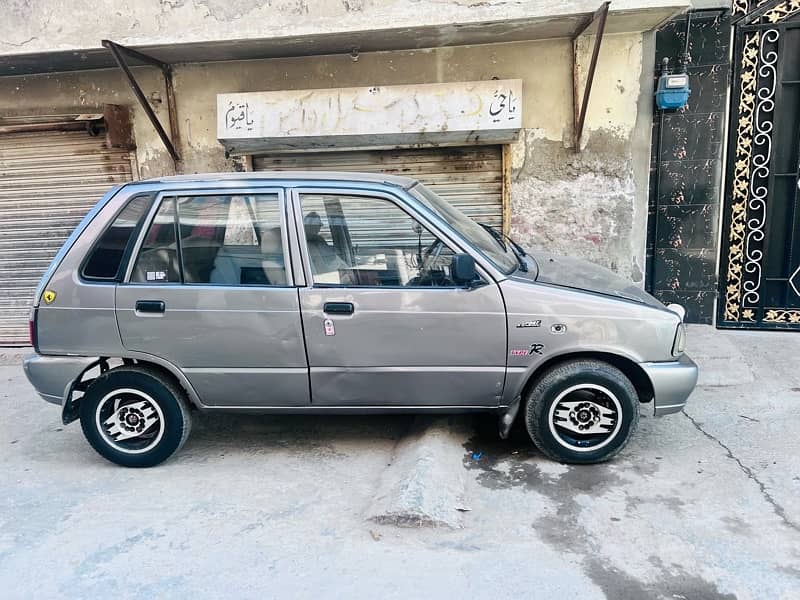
(470, 178)
(48, 182)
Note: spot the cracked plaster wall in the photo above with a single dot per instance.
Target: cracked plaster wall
(44, 25)
(591, 204)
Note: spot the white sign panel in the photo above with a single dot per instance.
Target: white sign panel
(371, 116)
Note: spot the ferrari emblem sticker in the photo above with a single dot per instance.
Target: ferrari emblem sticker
(48, 296)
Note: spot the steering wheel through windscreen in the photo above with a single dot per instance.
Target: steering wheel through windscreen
(430, 255)
(429, 274)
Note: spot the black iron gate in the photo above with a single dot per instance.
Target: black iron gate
(760, 262)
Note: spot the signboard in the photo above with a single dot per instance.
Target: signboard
(377, 116)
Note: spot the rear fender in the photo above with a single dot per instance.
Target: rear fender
(70, 405)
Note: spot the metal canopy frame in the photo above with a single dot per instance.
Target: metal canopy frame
(171, 142)
(579, 112)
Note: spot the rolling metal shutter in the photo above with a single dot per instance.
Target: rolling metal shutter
(470, 178)
(48, 182)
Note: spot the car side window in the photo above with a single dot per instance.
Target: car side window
(105, 259)
(227, 240)
(368, 241)
(157, 261)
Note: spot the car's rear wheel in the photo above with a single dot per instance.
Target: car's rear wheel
(582, 411)
(135, 417)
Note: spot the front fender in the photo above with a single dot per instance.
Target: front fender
(517, 377)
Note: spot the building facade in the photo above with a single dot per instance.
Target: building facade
(724, 223)
(480, 101)
(687, 166)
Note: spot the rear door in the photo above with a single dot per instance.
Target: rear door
(209, 289)
(384, 323)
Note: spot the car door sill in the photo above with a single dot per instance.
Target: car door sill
(365, 409)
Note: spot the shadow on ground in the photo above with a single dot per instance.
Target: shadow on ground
(232, 433)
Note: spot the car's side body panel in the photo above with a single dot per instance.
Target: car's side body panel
(222, 335)
(218, 334)
(414, 346)
(546, 321)
(80, 320)
(403, 348)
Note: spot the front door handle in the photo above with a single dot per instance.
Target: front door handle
(150, 306)
(339, 308)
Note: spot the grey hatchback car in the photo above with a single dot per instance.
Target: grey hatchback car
(310, 292)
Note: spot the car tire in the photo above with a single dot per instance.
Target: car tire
(135, 417)
(582, 411)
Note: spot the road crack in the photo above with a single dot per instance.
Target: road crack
(776, 507)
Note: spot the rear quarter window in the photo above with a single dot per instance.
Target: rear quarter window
(105, 259)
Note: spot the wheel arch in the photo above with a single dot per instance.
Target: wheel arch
(168, 369)
(161, 366)
(641, 382)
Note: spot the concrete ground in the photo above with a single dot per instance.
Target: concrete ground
(702, 505)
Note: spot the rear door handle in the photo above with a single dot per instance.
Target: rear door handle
(339, 308)
(150, 306)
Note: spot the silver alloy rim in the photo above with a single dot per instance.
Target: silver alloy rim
(585, 417)
(129, 421)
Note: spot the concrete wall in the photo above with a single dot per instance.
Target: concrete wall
(44, 25)
(591, 204)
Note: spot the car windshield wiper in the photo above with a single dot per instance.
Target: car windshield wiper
(518, 251)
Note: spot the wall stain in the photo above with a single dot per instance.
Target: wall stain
(578, 203)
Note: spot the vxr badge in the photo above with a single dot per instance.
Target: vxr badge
(534, 349)
(536, 323)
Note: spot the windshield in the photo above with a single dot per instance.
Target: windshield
(488, 245)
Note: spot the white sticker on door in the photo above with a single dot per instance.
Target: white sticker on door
(329, 329)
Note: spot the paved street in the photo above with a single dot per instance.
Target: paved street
(702, 505)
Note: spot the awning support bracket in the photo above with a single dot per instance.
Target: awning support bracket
(171, 142)
(579, 112)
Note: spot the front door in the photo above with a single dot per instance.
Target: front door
(209, 290)
(384, 323)
(760, 266)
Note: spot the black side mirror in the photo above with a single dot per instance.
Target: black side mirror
(462, 269)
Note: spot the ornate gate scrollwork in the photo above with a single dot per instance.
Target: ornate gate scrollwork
(751, 178)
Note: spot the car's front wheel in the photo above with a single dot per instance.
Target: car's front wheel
(135, 417)
(582, 411)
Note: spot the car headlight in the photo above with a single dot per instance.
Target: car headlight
(679, 345)
(678, 310)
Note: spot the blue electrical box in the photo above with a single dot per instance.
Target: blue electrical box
(673, 91)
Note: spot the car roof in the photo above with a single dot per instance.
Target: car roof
(403, 182)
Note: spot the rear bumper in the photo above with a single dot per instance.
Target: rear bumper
(673, 382)
(52, 376)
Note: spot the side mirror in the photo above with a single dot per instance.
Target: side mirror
(462, 269)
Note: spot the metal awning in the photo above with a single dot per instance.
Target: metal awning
(455, 34)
